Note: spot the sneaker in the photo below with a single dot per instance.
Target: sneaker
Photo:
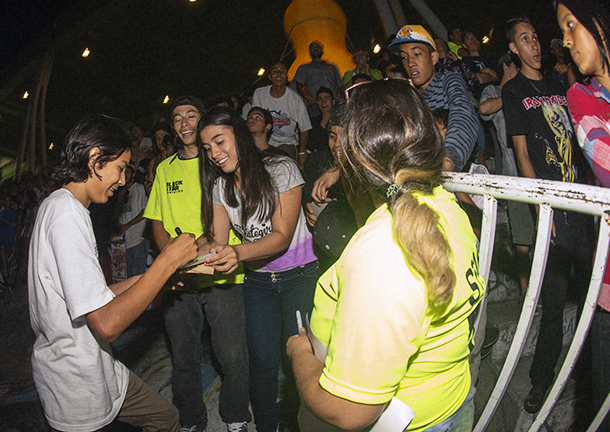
(535, 399)
(194, 428)
(237, 427)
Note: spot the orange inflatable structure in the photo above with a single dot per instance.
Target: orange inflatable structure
(319, 20)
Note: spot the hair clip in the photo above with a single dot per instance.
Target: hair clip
(394, 189)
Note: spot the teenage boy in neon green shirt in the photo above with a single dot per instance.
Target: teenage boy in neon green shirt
(175, 202)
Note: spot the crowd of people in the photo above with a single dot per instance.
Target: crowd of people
(19, 201)
(332, 255)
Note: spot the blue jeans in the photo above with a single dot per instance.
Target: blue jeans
(137, 257)
(461, 420)
(223, 306)
(272, 300)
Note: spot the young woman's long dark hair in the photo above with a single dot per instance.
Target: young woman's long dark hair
(594, 15)
(257, 191)
(390, 140)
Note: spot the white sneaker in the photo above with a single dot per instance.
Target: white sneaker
(190, 429)
(237, 427)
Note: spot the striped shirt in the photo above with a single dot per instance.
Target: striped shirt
(590, 110)
(447, 90)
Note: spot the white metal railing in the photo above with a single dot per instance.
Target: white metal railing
(579, 198)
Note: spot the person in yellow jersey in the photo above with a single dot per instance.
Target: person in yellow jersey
(396, 311)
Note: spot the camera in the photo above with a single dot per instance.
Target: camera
(167, 140)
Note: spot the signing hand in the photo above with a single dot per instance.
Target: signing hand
(179, 250)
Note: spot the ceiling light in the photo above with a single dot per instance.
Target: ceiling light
(485, 39)
(377, 48)
(51, 146)
(166, 99)
(26, 94)
(261, 72)
(86, 53)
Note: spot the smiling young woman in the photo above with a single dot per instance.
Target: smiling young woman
(259, 195)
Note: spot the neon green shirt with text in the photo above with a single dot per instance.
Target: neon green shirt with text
(175, 200)
(383, 339)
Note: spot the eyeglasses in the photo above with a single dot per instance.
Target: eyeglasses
(351, 88)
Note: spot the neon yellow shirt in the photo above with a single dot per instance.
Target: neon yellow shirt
(383, 340)
(454, 48)
(175, 200)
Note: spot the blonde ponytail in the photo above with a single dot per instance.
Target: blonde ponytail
(392, 148)
(424, 245)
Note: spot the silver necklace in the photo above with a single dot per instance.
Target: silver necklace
(531, 83)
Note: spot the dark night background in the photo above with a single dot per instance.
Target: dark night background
(142, 50)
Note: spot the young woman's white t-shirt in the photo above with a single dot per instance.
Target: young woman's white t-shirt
(285, 175)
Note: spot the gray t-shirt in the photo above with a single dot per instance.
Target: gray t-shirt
(509, 166)
(319, 74)
(285, 175)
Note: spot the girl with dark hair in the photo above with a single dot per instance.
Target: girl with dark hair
(586, 28)
(260, 197)
(73, 313)
(586, 25)
(396, 310)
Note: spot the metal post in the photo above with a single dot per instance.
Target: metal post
(430, 17)
(386, 17)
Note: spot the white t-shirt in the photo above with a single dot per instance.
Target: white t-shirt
(145, 144)
(133, 205)
(288, 112)
(81, 386)
(285, 175)
(245, 110)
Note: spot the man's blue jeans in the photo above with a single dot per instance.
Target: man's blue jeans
(272, 300)
(223, 306)
(137, 257)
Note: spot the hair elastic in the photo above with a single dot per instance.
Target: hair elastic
(394, 189)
